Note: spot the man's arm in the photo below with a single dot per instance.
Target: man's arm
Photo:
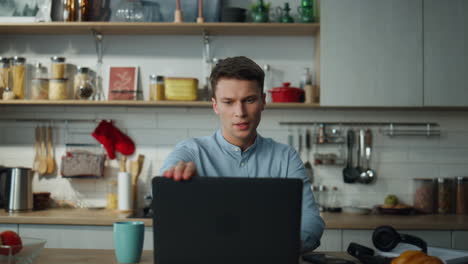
(312, 224)
(179, 164)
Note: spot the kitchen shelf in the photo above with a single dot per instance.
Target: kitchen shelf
(132, 103)
(158, 28)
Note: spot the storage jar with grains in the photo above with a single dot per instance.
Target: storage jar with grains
(4, 73)
(57, 89)
(40, 89)
(462, 195)
(156, 87)
(445, 195)
(57, 67)
(424, 195)
(18, 70)
(112, 195)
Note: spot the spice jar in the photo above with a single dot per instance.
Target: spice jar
(40, 89)
(424, 195)
(58, 89)
(112, 195)
(445, 195)
(462, 195)
(4, 74)
(83, 87)
(156, 88)
(57, 67)
(18, 70)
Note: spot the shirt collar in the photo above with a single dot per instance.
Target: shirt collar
(233, 148)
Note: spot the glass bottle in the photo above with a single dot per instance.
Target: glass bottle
(445, 195)
(83, 87)
(267, 85)
(112, 195)
(82, 10)
(424, 195)
(156, 88)
(69, 10)
(462, 195)
(129, 11)
(306, 78)
(18, 73)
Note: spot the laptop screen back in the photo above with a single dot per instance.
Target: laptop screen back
(227, 220)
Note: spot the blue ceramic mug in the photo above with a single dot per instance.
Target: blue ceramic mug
(128, 241)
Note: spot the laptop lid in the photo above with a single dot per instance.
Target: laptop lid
(226, 220)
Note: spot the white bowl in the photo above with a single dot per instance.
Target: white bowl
(32, 247)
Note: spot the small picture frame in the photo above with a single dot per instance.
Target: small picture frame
(123, 82)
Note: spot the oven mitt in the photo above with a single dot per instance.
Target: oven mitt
(113, 139)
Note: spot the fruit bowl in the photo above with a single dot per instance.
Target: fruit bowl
(30, 250)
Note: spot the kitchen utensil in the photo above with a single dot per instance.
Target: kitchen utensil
(367, 175)
(43, 156)
(360, 152)
(50, 152)
(286, 94)
(308, 165)
(135, 170)
(178, 13)
(37, 156)
(200, 12)
(17, 189)
(350, 174)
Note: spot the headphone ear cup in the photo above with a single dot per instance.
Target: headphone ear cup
(385, 238)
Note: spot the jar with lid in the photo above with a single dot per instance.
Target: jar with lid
(462, 195)
(112, 195)
(321, 198)
(18, 70)
(83, 87)
(57, 67)
(40, 84)
(58, 89)
(334, 200)
(4, 74)
(156, 88)
(445, 195)
(424, 196)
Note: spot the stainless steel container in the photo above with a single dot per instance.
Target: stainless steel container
(17, 189)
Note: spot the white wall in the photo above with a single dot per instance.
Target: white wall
(156, 130)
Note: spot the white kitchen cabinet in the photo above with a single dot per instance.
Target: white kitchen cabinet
(371, 53)
(460, 240)
(12, 227)
(75, 236)
(331, 240)
(446, 53)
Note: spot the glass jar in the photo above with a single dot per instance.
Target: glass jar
(58, 89)
(40, 89)
(83, 87)
(112, 195)
(322, 198)
(445, 195)
(18, 70)
(129, 11)
(4, 74)
(462, 195)
(57, 67)
(424, 195)
(156, 88)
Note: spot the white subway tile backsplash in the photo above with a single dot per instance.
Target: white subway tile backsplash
(156, 130)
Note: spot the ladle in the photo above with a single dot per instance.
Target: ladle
(367, 175)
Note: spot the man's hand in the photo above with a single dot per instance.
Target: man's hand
(182, 171)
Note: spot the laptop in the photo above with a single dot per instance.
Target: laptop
(209, 220)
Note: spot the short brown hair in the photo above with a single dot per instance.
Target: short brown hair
(240, 68)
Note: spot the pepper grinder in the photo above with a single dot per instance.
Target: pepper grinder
(178, 13)
(200, 12)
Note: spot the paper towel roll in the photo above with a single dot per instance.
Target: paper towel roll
(124, 191)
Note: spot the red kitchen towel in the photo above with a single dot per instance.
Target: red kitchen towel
(113, 139)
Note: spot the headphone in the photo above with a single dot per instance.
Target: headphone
(386, 238)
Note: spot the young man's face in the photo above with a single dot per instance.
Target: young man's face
(239, 104)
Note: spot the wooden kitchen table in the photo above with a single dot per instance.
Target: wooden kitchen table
(99, 256)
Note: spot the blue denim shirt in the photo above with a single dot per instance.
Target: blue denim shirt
(215, 157)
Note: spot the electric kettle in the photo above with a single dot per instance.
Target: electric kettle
(16, 189)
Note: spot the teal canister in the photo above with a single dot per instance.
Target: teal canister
(128, 241)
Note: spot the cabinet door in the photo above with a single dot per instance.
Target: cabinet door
(331, 240)
(371, 53)
(460, 240)
(446, 53)
(5, 227)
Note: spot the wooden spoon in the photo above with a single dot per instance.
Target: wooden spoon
(50, 152)
(43, 156)
(37, 140)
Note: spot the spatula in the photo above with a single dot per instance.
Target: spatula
(307, 165)
(43, 156)
(37, 141)
(50, 152)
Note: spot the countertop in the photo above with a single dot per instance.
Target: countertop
(92, 256)
(332, 220)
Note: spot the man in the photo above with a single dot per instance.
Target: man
(237, 150)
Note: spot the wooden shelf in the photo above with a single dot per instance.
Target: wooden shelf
(197, 104)
(154, 28)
